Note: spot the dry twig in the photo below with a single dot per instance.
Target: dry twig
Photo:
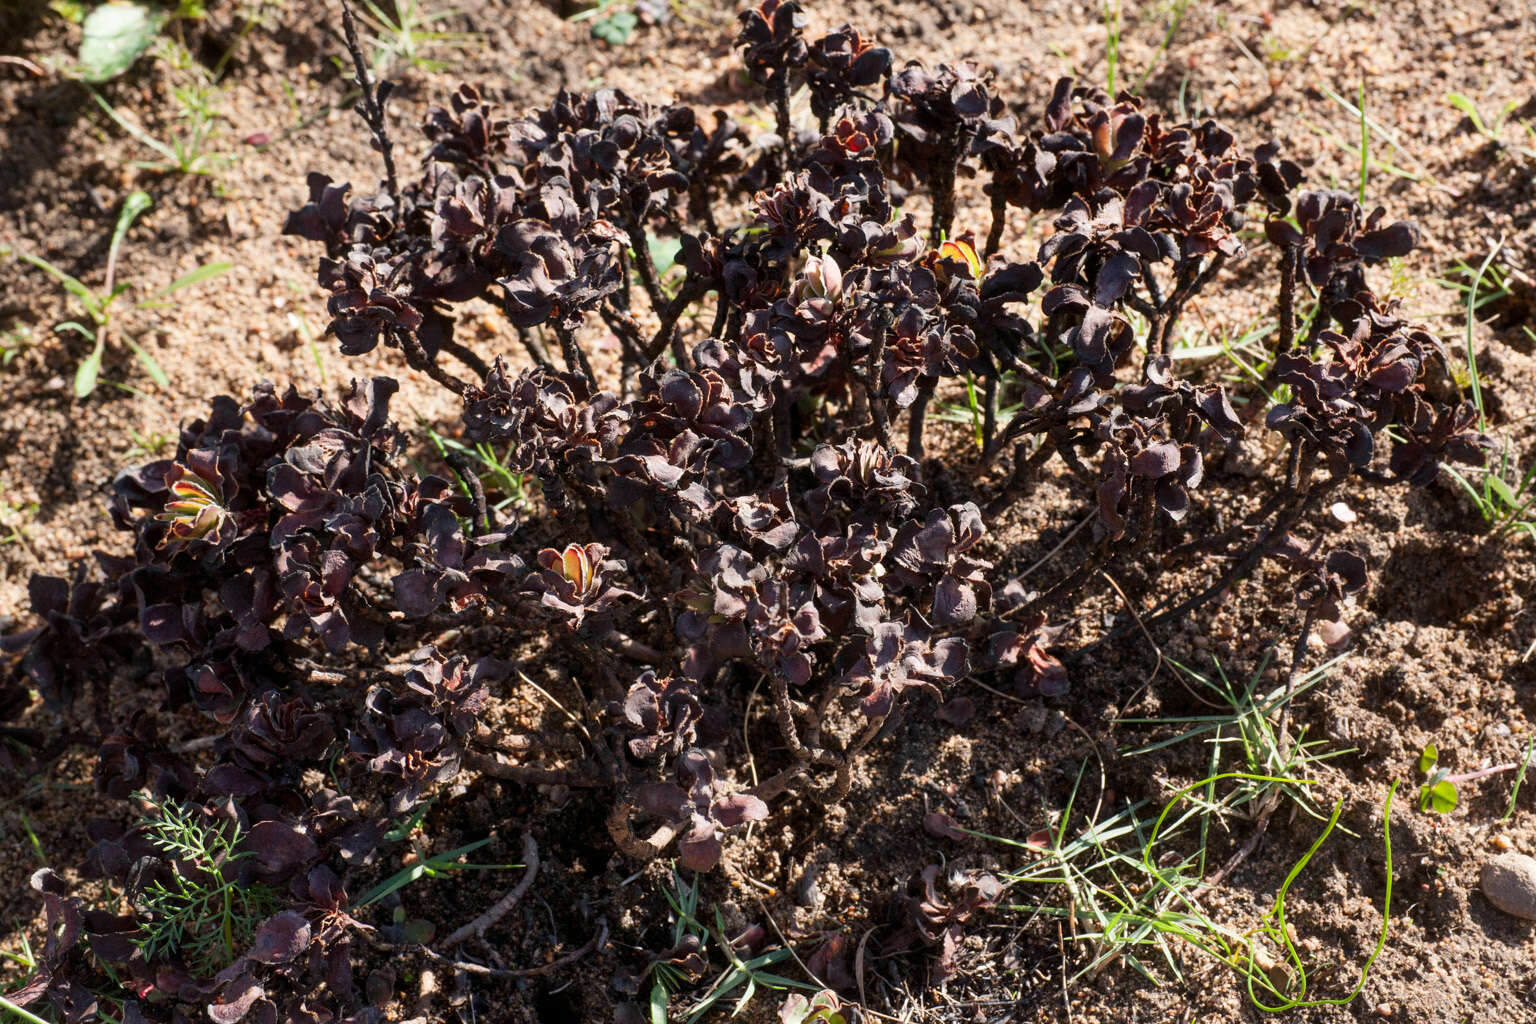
(504, 906)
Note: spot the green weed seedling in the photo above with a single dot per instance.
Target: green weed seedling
(749, 975)
(1439, 791)
(1493, 129)
(15, 522)
(491, 467)
(186, 150)
(425, 866)
(1370, 129)
(1138, 907)
(1128, 900)
(27, 960)
(1504, 493)
(204, 913)
(151, 444)
(98, 306)
(615, 21)
(14, 341)
(1114, 31)
(407, 35)
(1268, 763)
(822, 1008)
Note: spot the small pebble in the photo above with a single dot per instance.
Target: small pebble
(1509, 882)
(1342, 513)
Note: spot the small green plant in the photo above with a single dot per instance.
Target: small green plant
(690, 932)
(1112, 27)
(186, 150)
(1247, 722)
(1493, 129)
(26, 959)
(15, 521)
(202, 913)
(1369, 129)
(14, 342)
(615, 21)
(1115, 906)
(1127, 898)
(971, 409)
(821, 1008)
(1504, 493)
(489, 467)
(1439, 791)
(32, 839)
(1174, 12)
(152, 444)
(403, 34)
(98, 308)
(427, 865)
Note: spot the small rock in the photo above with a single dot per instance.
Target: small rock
(1342, 513)
(1509, 882)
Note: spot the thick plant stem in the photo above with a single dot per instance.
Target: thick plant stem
(643, 264)
(670, 314)
(916, 418)
(575, 358)
(943, 189)
(1298, 654)
(999, 217)
(988, 411)
(535, 348)
(879, 412)
(1287, 304)
(1186, 290)
(469, 358)
(778, 88)
(481, 523)
(418, 359)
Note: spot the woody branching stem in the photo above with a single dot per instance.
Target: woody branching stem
(942, 190)
(1287, 303)
(778, 89)
(418, 359)
(999, 218)
(371, 105)
(575, 358)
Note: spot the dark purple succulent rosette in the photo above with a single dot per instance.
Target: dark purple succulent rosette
(698, 804)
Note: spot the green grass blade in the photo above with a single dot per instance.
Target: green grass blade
(137, 202)
(21, 1014)
(155, 373)
(406, 876)
(201, 274)
(71, 284)
(1477, 384)
(143, 137)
